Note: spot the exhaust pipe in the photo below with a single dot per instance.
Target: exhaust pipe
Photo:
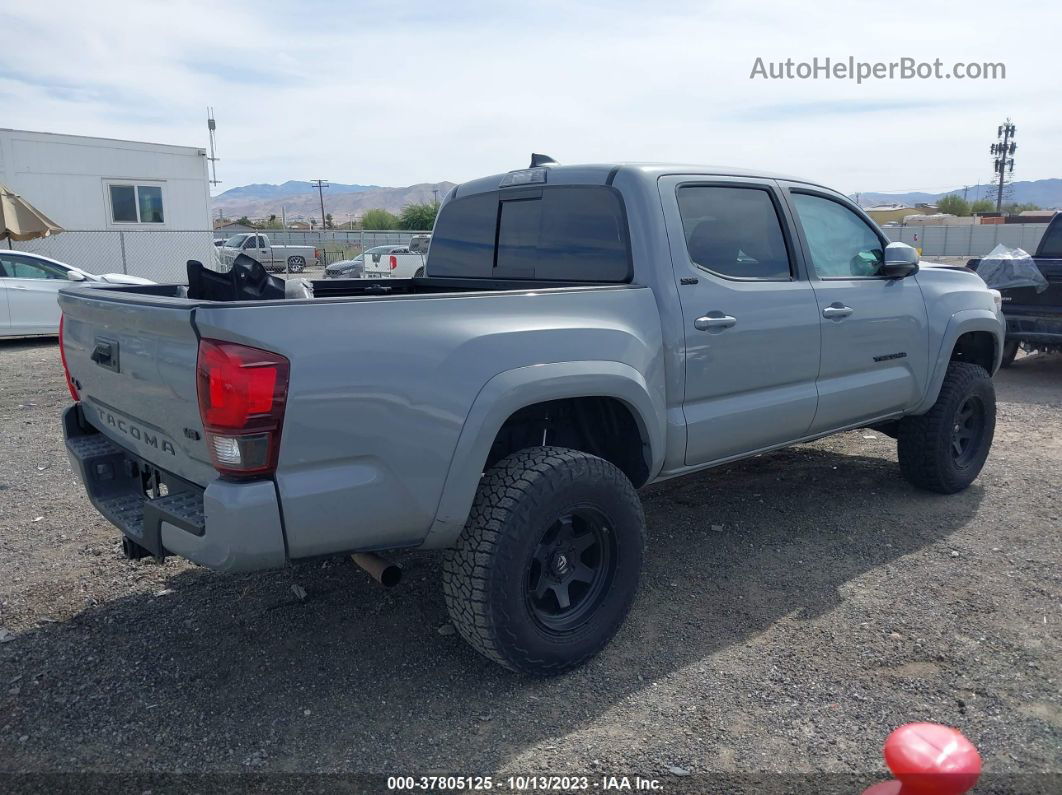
(385, 572)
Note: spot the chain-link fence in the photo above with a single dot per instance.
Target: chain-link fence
(162, 254)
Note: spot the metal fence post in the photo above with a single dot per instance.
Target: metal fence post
(121, 243)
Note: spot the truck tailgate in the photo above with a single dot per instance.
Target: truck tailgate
(133, 360)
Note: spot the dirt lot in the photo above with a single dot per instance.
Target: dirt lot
(834, 604)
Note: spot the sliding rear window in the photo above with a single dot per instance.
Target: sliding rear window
(561, 233)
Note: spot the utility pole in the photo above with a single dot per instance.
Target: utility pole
(964, 189)
(435, 194)
(320, 184)
(1003, 163)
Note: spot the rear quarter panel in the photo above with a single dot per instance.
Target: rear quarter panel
(381, 390)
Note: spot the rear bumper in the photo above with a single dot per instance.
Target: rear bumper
(227, 526)
(1042, 329)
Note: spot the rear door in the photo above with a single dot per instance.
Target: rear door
(32, 287)
(875, 333)
(750, 318)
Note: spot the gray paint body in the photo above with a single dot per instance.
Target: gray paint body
(394, 401)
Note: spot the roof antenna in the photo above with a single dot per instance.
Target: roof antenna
(538, 160)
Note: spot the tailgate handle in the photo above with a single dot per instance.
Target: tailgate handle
(105, 354)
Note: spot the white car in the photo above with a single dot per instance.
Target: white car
(29, 284)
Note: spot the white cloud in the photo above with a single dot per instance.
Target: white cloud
(393, 93)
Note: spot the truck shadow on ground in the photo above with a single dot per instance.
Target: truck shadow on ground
(356, 678)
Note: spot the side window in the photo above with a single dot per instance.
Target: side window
(842, 245)
(136, 204)
(734, 232)
(18, 268)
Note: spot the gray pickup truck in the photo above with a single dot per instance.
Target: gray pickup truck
(582, 331)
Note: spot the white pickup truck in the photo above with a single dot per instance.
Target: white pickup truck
(292, 259)
(394, 262)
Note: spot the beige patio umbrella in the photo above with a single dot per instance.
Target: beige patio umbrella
(21, 220)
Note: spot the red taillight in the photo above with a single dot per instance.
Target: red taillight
(66, 370)
(242, 392)
(394, 262)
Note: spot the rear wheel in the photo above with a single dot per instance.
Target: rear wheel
(1010, 350)
(944, 449)
(296, 264)
(547, 567)
(419, 273)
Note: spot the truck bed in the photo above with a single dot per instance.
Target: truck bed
(383, 375)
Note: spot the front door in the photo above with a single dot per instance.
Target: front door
(749, 314)
(875, 334)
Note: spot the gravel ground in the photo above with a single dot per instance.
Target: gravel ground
(796, 607)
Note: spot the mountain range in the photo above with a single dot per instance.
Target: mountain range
(1046, 193)
(295, 199)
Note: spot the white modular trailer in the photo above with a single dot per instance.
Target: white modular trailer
(128, 206)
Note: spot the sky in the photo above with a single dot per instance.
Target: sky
(395, 93)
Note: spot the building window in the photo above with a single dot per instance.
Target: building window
(136, 204)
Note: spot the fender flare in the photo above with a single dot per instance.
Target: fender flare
(515, 389)
(960, 323)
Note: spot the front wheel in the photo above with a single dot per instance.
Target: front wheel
(944, 449)
(546, 569)
(296, 264)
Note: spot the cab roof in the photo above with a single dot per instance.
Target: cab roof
(606, 173)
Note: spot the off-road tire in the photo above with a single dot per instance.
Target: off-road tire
(486, 576)
(1010, 350)
(924, 442)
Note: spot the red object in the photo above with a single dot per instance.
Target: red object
(394, 262)
(242, 392)
(929, 759)
(66, 370)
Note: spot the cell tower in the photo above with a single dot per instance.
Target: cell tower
(1003, 161)
(211, 127)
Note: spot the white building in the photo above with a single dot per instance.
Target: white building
(127, 206)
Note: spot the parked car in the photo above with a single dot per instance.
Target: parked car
(346, 268)
(582, 331)
(1034, 319)
(292, 259)
(29, 285)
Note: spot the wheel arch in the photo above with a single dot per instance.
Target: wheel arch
(974, 335)
(509, 393)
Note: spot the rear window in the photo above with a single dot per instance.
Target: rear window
(563, 233)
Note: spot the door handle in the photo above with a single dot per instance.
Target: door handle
(714, 321)
(837, 311)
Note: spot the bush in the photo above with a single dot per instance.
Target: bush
(379, 219)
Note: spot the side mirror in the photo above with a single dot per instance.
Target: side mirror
(900, 260)
(75, 276)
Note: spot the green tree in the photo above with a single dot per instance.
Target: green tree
(244, 220)
(329, 224)
(379, 219)
(982, 206)
(419, 216)
(954, 204)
